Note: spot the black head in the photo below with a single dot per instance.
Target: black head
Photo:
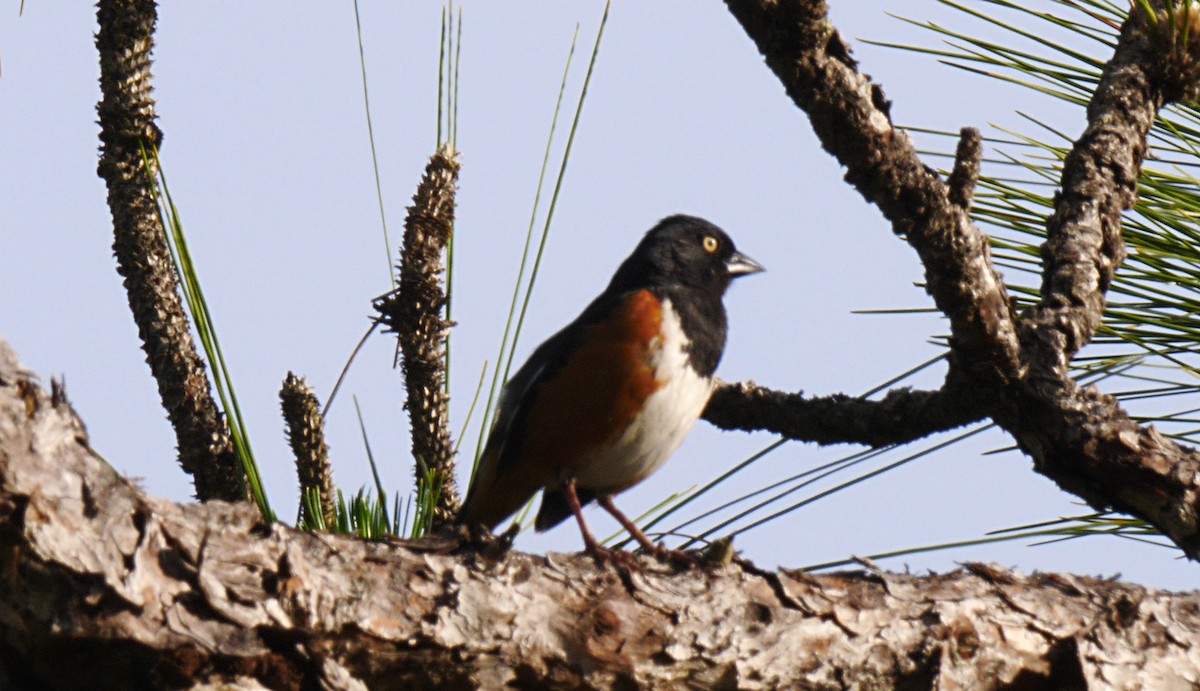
(684, 251)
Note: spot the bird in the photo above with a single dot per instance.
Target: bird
(603, 403)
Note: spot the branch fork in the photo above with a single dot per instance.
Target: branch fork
(1004, 366)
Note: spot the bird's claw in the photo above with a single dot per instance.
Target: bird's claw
(687, 560)
(616, 557)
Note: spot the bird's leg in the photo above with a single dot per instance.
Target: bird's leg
(590, 545)
(637, 534)
(606, 502)
(589, 541)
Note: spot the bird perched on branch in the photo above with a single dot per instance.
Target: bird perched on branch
(602, 403)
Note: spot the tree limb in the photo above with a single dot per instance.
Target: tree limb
(414, 312)
(1082, 438)
(106, 588)
(850, 115)
(902, 416)
(127, 130)
(1083, 245)
(1015, 368)
(305, 428)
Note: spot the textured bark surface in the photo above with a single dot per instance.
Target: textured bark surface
(902, 416)
(127, 129)
(106, 588)
(1009, 367)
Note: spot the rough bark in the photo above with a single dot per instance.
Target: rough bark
(902, 416)
(1009, 367)
(127, 133)
(106, 588)
(1080, 437)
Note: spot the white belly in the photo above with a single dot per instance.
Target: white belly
(646, 443)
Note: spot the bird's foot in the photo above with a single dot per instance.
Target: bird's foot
(479, 539)
(617, 557)
(717, 553)
(687, 560)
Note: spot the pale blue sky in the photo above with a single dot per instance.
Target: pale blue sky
(267, 155)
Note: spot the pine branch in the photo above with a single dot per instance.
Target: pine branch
(902, 416)
(414, 312)
(127, 130)
(107, 588)
(1015, 368)
(306, 436)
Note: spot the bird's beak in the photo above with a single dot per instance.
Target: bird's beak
(740, 265)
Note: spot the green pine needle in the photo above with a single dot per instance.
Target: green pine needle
(206, 330)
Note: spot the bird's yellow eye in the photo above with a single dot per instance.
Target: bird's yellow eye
(710, 244)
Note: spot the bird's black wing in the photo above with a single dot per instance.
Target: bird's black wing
(517, 398)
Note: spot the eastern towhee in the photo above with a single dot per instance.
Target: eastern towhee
(602, 403)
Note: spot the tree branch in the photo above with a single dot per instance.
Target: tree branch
(414, 312)
(1017, 370)
(1083, 245)
(305, 427)
(105, 587)
(902, 416)
(850, 116)
(1081, 438)
(965, 175)
(127, 129)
